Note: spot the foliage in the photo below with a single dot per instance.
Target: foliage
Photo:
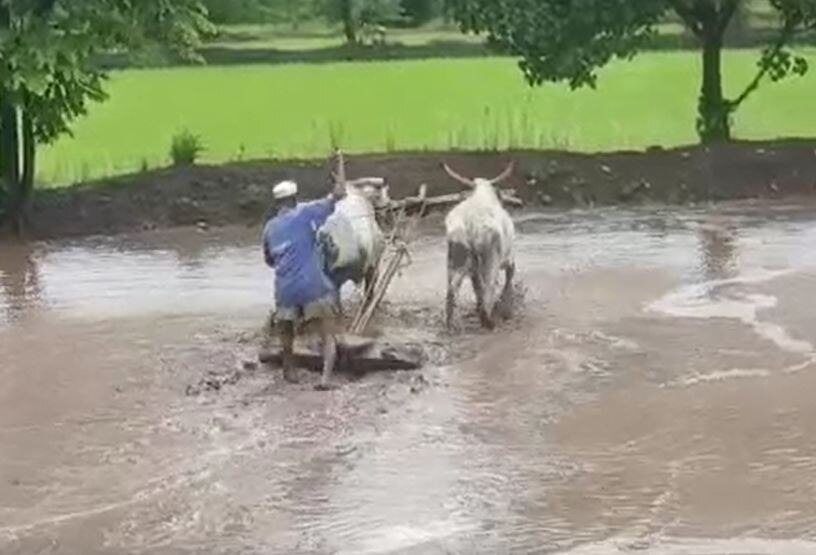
(422, 11)
(261, 11)
(354, 14)
(46, 75)
(185, 148)
(412, 12)
(235, 11)
(368, 11)
(569, 40)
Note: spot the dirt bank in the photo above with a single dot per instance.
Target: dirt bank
(240, 192)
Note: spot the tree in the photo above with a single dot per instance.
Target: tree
(234, 11)
(47, 77)
(568, 40)
(422, 11)
(259, 11)
(353, 14)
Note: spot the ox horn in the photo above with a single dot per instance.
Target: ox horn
(503, 175)
(456, 176)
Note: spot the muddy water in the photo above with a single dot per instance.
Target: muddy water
(653, 394)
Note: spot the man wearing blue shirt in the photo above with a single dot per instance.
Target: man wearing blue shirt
(303, 292)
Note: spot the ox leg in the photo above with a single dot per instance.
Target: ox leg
(336, 280)
(505, 300)
(484, 286)
(482, 303)
(455, 279)
(338, 303)
(509, 275)
(459, 263)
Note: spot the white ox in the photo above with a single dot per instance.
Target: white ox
(351, 239)
(480, 236)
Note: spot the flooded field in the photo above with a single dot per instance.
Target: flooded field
(654, 394)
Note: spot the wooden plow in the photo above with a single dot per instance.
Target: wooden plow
(395, 256)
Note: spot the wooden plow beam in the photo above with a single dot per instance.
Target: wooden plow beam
(424, 202)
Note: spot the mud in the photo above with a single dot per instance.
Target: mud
(654, 395)
(239, 193)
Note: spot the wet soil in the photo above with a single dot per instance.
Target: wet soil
(240, 193)
(652, 395)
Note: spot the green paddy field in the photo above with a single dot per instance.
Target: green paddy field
(303, 110)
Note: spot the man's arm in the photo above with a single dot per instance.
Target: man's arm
(268, 256)
(319, 211)
(338, 192)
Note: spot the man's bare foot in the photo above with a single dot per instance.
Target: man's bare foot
(325, 386)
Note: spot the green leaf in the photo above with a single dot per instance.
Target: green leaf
(37, 82)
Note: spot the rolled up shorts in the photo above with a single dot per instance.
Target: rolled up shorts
(324, 308)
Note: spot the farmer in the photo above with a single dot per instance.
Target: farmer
(303, 293)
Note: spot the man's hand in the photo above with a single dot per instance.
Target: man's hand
(338, 192)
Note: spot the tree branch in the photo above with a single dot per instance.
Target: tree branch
(785, 34)
(688, 15)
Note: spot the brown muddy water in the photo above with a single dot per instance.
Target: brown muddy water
(655, 394)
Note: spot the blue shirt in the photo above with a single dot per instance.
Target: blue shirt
(290, 246)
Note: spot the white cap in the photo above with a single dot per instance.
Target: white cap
(285, 189)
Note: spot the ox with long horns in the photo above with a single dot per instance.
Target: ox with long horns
(351, 240)
(480, 235)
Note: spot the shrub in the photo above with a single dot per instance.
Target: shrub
(185, 148)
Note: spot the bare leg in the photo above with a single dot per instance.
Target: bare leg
(287, 337)
(269, 330)
(329, 342)
(455, 279)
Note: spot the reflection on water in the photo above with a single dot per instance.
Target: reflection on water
(655, 391)
(192, 272)
(20, 288)
(718, 249)
(176, 273)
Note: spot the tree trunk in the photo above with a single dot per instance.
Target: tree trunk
(29, 150)
(10, 155)
(349, 25)
(16, 142)
(713, 122)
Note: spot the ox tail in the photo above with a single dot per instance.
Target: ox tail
(479, 278)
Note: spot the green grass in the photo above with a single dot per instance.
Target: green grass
(303, 110)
